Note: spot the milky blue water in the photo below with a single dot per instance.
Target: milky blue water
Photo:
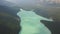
(31, 24)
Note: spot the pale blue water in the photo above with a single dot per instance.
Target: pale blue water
(31, 24)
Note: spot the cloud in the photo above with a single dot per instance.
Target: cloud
(33, 4)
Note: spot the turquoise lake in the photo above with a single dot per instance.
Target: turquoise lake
(31, 24)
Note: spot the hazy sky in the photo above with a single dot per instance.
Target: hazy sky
(33, 4)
